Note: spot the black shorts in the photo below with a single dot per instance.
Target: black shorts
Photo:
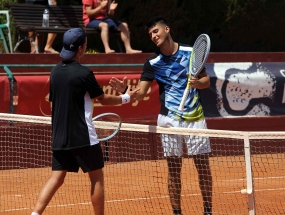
(87, 158)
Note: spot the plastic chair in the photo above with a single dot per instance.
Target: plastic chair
(2, 36)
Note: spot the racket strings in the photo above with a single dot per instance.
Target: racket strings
(198, 58)
(200, 53)
(106, 125)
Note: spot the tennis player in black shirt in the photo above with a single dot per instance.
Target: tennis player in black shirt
(74, 141)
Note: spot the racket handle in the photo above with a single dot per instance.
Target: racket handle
(182, 103)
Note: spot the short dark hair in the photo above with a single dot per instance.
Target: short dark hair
(155, 20)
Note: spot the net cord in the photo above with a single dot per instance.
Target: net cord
(156, 129)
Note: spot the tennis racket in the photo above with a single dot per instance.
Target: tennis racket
(107, 125)
(198, 58)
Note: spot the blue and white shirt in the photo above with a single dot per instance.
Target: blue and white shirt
(170, 74)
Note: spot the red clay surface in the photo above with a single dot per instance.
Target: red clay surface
(141, 188)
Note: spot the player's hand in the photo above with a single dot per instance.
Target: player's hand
(113, 5)
(132, 93)
(118, 85)
(194, 82)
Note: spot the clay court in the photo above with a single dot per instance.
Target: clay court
(141, 188)
(136, 173)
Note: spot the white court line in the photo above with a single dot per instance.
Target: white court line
(157, 197)
(263, 178)
(136, 199)
(261, 190)
(109, 201)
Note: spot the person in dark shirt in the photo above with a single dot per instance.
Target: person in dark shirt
(74, 141)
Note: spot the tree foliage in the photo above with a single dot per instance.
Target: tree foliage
(3, 20)
(255, 25)
(233, 26)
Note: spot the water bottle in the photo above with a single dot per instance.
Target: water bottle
(46, 18)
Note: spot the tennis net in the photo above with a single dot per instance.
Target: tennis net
(248, 171)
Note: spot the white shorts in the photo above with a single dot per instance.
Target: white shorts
(173, 144)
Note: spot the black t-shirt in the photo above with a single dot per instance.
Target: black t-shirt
(72, 89)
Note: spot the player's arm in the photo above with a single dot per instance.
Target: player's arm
(129, 96)
(96, 92)
(202, 81)
(145, 82)
(143, 86)
(121, 86)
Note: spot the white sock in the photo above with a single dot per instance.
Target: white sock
(34, 213)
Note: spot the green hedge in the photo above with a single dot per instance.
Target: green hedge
(3, 20)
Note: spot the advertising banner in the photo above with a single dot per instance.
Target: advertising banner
(237, 89)
(33, 98)
(244, 89)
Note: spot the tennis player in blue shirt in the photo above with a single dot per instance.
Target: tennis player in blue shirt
(169, 68)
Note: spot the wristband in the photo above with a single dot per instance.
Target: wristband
(125, 98)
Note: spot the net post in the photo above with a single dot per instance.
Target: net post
(249, 189)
